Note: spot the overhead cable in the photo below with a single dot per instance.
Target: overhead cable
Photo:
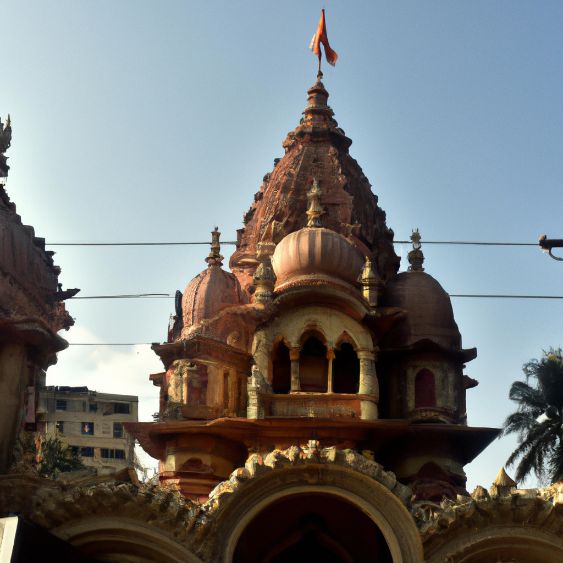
(168, 296)
(231, 242)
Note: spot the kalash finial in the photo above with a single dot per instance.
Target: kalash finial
(215, 258)
(415, 256)
(315, 209)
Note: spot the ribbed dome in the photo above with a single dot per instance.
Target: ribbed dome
(316, 251)
(208, 293)
(429, 311)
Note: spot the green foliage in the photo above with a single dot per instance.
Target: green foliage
(538, 420)
(55, 457)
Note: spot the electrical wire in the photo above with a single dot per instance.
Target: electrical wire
(476, 295)
(231, 242)
(127, 296)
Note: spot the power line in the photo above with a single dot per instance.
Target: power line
(503, 296)
(128, 296)
(133, 243)
(112, 343)
(231, 242)
(467, 242)
(475, 295)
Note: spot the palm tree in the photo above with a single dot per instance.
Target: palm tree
(539, 418)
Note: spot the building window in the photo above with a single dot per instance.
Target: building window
(93, 407)
(313, 366)
(424, 389)
(121, 408)
(60, 426)
(87, 452)
(117, 430)
(345, 370)
(87, 428)
(110, 453)
(281, 376)
(60, 405)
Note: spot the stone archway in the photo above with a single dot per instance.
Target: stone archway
(296, 490)
(123, 540)
(312, 526)
(523, 526)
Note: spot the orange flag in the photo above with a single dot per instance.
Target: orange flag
(322, 37)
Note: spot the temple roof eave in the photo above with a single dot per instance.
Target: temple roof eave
(468, 442)
(428, 345)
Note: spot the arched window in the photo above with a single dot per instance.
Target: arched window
(424, 389)
(281, 369)
(345, 370)
(313, 366)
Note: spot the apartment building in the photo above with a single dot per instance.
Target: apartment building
(91, 422)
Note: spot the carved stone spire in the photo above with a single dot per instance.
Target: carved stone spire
(318, 113)
(503, 484)
(214, 258)
(415, 256)
(316, 148)
(315, 209)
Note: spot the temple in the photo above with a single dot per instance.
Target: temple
(312, 401)
(313, 335)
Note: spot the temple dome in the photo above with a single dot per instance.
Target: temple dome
(212, 290)
(316, 251)
(208, 293)
(429, 312)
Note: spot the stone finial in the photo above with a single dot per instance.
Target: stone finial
(5, 141)
(315, 209)
(371, 282)
(214, 258)
(264, 277)
(415, 256)
(503, 485)
(480, 493)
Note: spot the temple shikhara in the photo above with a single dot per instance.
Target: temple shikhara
(312, 398)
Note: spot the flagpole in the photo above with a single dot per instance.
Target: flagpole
(319, 72)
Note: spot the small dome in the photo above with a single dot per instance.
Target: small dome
(317, 250)
(208, 293)
(429, 311)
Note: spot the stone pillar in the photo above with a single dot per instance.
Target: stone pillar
(294, 357)
(256, 385)
(13, 381)
(233, 392)
(330, 358)
(368, 385)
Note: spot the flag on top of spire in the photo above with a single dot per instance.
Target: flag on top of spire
(322, 37)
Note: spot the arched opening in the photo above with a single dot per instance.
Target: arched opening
(313, 366)
(345, 370)
(281, 369)
(424, 389)
(312, 527)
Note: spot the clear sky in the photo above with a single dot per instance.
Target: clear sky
(156, 121)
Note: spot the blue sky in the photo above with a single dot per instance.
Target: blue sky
(155, 121)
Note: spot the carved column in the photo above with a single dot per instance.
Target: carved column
(330, 358)
(368, 385)
(294, 357)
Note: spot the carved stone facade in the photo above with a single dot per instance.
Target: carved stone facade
(31, 314)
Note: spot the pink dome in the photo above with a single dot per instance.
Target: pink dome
(312, 251)
(208, 293)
